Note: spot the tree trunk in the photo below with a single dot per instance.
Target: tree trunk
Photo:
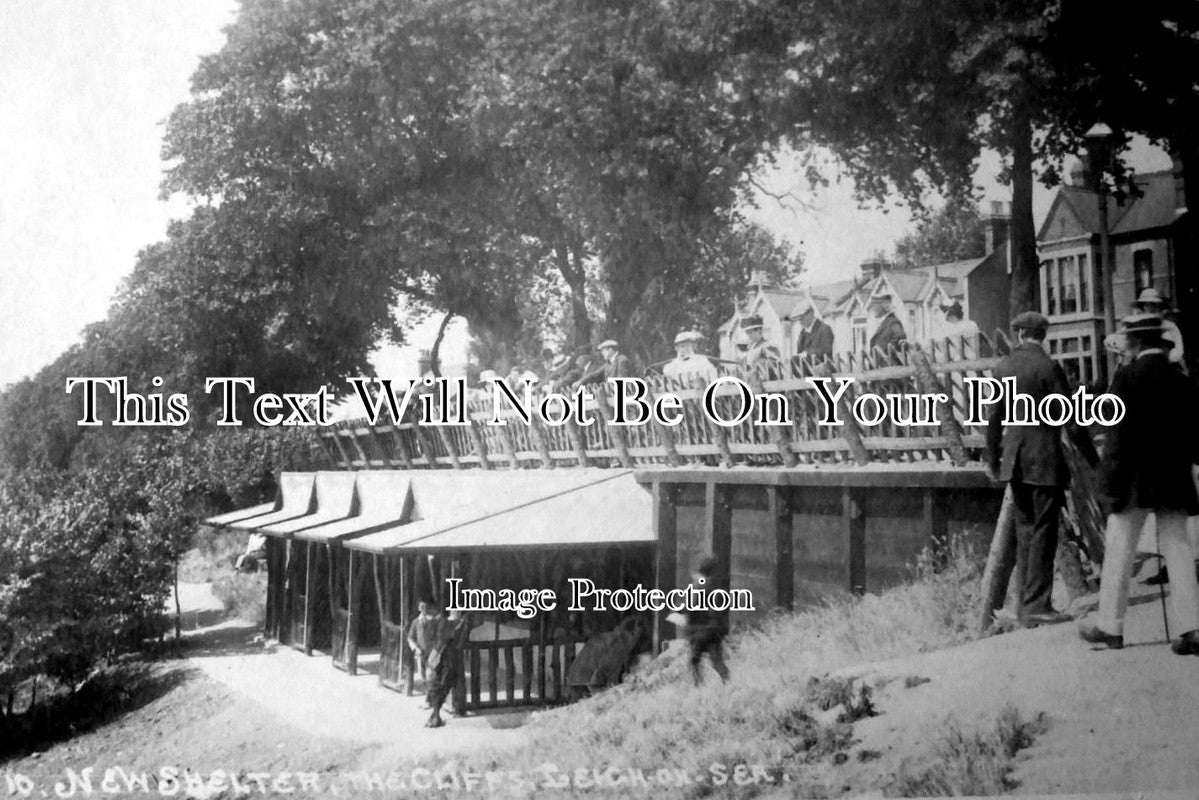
(435, 353)
(1026, 283)
(1186, 253)
(571, 267)
(178, 609)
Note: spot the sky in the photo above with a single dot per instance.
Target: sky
(84, 90)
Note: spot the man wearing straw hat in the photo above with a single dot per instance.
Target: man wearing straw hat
(1147, 469)
(687, 365)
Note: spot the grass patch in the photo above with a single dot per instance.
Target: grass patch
(969, 764)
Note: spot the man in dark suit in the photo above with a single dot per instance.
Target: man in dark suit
(1032, 461)
(1147, 468)
(890, 333)
(815, 336)
(615, 365)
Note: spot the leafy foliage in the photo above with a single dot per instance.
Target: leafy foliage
(956, 232)
(87, 555)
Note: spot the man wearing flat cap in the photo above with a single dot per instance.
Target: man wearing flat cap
(687, 366)
(1032, 461)
(890, 333)
(615, 365)
(1147, 469)
(759, 354)
(815, 336)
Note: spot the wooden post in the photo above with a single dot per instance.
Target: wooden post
(615, 432)
(309, 599)
(406, 456)
(849, 427)
(356, 579)
(580, 444)
(407, 661)
(509, 445)
(855, 533)
(718, 530)
(458, 699)
(537, 432)
(993, 591)
(951, 429)
(665, 434)
(666, 531)
(780, 436)
(476, 436)
(451, 447)
(779, 501)
(335, 435)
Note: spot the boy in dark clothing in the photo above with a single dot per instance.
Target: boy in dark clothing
(706, 629)
(446, 664)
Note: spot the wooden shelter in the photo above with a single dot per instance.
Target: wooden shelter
(513, 530)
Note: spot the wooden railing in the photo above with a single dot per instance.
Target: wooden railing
(939, 367)
(514, 672)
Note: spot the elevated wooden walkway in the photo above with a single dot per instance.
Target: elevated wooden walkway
(805, 442)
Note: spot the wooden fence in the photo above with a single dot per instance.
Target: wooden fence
(939, 367)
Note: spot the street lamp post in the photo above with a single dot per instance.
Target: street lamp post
(1099, 143)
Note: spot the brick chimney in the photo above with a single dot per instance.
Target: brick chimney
(998, 224)
(871, 267)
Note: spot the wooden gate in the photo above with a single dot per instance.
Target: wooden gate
(507, 673)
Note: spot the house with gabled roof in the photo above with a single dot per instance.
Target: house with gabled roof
(1145, 233)
(920, 296)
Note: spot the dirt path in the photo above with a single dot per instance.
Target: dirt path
(1119, 721)
(308, 693)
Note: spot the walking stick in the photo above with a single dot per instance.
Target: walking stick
(1161, 590)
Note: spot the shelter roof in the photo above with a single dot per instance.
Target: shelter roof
(493, 509)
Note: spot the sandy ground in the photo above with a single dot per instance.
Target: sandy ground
(1118, 721)
(309, 694)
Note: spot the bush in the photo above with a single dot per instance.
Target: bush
(243, 595)
(970, 764)
(88, 556)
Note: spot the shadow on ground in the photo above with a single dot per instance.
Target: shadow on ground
(229, 639)
(106, 696)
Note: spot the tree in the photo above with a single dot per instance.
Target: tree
(470, 145)
(954, 233)
(908, 94)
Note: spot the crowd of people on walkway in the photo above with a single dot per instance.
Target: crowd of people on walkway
(1146, 472)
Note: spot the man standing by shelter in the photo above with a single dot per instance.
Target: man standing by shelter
(446, 662)
(1147, 469)
(423, 635)
(1032, 461)
(688, 366)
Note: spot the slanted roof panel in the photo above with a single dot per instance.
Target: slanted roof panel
(228, 518)
(615, 511)
(382, 500)
(334, 500)
(443, 500)
(297, 498)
